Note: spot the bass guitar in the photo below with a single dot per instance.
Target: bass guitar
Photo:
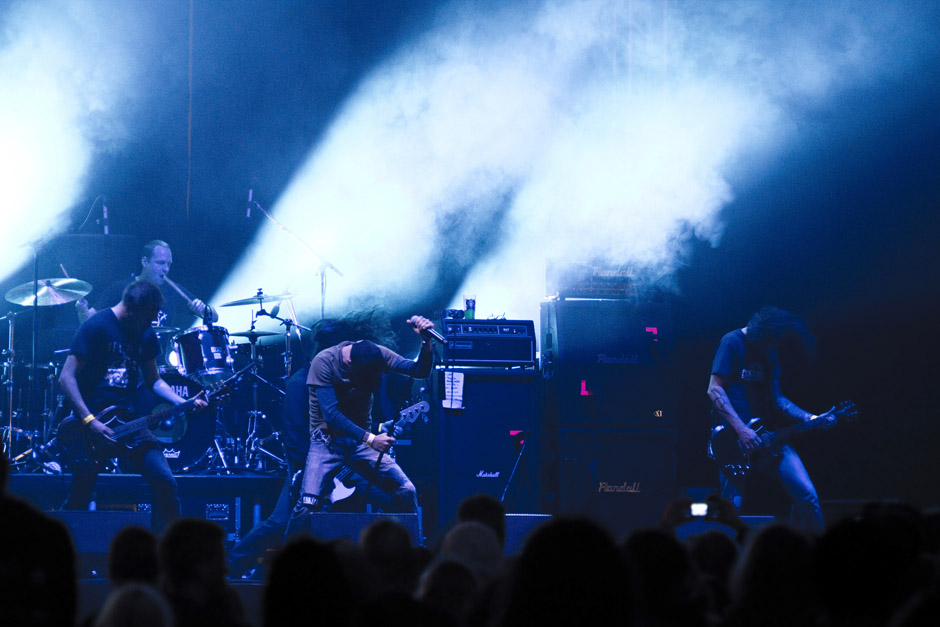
(78, 443)
(726, 449)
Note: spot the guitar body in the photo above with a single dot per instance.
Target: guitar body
(727, 451)
(725, 448)
(80, 445)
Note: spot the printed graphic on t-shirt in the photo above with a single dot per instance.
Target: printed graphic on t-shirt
(753, 374)
(119, 367)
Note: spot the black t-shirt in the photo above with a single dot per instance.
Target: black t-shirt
(174, 313)
(111, 373)
(750, 374)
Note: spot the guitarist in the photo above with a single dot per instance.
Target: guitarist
(109, 354)
(342, 381)
(744, 384)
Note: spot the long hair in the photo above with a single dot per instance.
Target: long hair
(775, 326)
(370, 324)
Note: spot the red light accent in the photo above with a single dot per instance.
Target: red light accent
(584, 390)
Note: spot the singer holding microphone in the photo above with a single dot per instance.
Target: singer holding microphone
(178, 308)
(342, 382)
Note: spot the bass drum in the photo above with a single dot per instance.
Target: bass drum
(187, 443)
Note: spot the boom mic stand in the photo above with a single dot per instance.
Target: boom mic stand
(324, 263)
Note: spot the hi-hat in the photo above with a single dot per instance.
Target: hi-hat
(162, 330)
(50, 292)
(258, 298)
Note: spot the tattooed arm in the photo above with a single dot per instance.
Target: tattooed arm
(789, 408)
(719, 398)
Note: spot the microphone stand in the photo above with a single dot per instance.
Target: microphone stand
(324, 263)
(289, 324)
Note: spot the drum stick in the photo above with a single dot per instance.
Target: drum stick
(64, 271)
(177, 288)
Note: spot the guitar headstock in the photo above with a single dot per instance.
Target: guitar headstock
(220, 391)
(842, 411)
(409, 414)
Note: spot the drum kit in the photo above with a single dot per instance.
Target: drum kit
(239, 439)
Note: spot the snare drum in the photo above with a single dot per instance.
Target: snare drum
(204, 351)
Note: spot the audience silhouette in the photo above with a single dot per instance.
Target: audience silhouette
(881, 567)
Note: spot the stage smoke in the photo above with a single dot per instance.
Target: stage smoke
(617, 130)
(62, 66)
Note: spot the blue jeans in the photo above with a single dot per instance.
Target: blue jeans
(328, 455)
(788, 469)
(150, 463)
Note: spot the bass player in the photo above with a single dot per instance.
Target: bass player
(110, 353)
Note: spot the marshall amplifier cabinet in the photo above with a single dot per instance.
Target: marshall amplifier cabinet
(489, 342)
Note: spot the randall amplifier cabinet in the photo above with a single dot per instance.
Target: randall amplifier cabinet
(608, 363)
(489, 342)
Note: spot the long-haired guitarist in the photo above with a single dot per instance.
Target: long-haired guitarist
(110, 354)
(342, 381)
(744, 384)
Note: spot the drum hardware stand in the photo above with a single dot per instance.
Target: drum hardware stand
(324, 263)
(8, 383)
(288, 324)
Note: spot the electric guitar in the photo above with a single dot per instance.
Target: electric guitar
(79, 443)
(726, 449)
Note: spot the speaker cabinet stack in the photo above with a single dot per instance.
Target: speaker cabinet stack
(608, 431)
(488, 437)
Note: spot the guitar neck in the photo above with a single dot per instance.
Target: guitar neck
(145, 422)
(787, 432)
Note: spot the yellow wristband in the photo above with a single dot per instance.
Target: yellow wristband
(370, 439)
(88, 419)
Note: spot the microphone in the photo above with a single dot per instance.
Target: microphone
(432, 332)
(104, 215)
(251, 193)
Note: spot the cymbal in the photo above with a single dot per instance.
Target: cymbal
(257, 299)
(251, 334)
(159, 330)
(50, 292)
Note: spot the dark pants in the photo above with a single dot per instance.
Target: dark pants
(788, 469)
(150, 463)
(267, 534)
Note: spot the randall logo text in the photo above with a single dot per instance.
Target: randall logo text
(618, 359)
(634, 487)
